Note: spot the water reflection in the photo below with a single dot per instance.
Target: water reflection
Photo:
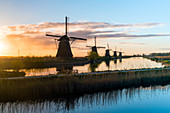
(93, 66)
(98, 102)
(117, 64)
(65, 70)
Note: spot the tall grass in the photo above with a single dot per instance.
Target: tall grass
(63, 86)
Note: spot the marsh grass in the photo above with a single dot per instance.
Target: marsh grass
(64, 86)
(7, 74)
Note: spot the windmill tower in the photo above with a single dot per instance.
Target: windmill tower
(64, 50)
(107, 54)
(94, 48)
(115, 53)
(120, 53)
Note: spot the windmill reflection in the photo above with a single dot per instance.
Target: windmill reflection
(107, 62)
(64, 70)
(115, 61)
(120, 60)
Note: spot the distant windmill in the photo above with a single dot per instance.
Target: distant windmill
(64, 50)
(115, 53)
(120, 53)
(107, 54)
(94, 48)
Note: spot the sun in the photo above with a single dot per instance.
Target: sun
(2, 46)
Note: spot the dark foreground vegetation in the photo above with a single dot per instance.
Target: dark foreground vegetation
(8, 74)
(65, 86)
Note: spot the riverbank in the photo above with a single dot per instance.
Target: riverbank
(9, 74)
(28, 88)
(38, 62)
(17, 63)
(165, 60)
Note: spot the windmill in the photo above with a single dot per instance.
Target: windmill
(120, 53)
(107, 54)
(115, 53)
(64, 50)
(94, 48)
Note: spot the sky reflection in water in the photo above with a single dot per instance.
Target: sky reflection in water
(133, 100)
(124, 64)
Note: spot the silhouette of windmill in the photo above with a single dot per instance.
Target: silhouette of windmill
(94, 48)
(64, 51)
(120, 53)
(107, 54)
(115, 53)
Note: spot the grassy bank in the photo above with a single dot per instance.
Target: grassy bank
(37, 62)
(7, 74)
(164, 59)
(63, 86)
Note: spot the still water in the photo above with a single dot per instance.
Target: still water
(134, 100)
(120, 64)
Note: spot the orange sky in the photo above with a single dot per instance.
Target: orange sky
(30, 39)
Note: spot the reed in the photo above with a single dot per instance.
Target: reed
(63, 86)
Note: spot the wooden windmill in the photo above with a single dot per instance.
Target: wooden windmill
(107, 54)
(64, 50)
(115, 53)
(120, 53)
(94, 48)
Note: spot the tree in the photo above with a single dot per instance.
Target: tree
(93, 55)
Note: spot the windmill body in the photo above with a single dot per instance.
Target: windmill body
(94, 49)
(120, 54)
(107, 54)
(64, 50)
(115, 54)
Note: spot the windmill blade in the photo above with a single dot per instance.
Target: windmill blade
(89, 46)
(100, 47)
(53, 35)
(56, 42)
(108, 45)
(75, 38)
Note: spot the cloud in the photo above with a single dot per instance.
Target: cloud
(83, 29)
(164, 49)
(130, 36)
(33, 35)
(130, 43)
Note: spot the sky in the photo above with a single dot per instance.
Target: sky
(135, 27)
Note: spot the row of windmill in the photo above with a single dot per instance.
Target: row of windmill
(107, 53)
(64, 50)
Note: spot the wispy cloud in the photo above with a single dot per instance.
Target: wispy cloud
(83, 29)
(164, 49)
(33, 35)
(130, 43)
